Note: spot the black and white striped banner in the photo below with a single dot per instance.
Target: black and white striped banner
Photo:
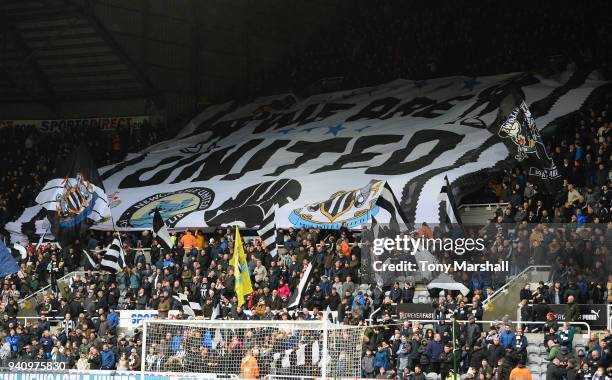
(91, 261)
(113, 260)
(161, 230)
(320, 162)
(192, 309)
(296, 297)
(267, 233)
(390, 209)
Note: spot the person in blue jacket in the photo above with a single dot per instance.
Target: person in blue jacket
(381, 359)
(506, 338)
(46, 342)
(107, 357)
(113, 318)
(13, 340)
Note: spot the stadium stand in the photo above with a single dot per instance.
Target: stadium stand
(80, 324)
(85, 313)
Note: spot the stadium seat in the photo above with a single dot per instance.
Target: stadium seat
(432, 376)
(535, 369)
(535, 359)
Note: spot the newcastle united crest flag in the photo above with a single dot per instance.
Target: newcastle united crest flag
(74, 197)
(516, 127)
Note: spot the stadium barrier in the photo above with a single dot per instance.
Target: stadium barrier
(42, 291)
(518, 277)
(290, 377)
(595, 315)
(519, 323)
(34, 374)
(487, 206)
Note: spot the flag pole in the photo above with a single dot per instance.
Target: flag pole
(114, 229)
(42, 238)
(454, 353)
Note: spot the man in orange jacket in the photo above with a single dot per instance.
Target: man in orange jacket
(188, 241)
(521, 372)
(248, 367)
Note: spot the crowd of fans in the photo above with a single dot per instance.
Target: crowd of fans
(87, 307)
(581, 254)
(30, 156)
(198, 266)
(78, 323)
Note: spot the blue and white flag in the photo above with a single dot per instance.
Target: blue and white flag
(8, 265)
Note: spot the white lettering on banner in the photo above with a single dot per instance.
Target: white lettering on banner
(322, 161)
(134, 318)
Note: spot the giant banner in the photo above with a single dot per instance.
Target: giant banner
(317, 161)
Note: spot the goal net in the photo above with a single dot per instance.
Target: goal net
(253, 349)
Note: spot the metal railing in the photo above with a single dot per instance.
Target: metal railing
(610, 317)
(488, 206)
(47, 287)
(512, 281)
(369, 320)
(52, 320)
(521, 322)
(517, 322)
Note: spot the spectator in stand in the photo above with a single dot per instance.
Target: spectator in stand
(581, 146)
(435, 347)
(188, 241)
(507, 337)
(520, 372)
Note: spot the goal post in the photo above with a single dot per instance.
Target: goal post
(253, 349)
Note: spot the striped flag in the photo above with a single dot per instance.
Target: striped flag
(161, 230)
(449, 213)
(389, 205)
(90, 259)
(189, 308)
(296, 296)
(113, 259)
(267, 233)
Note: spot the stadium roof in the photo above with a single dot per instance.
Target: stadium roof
(59, 50)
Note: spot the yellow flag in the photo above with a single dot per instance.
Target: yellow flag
(241, 270)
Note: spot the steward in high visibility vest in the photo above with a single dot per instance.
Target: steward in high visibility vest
(248, 367)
